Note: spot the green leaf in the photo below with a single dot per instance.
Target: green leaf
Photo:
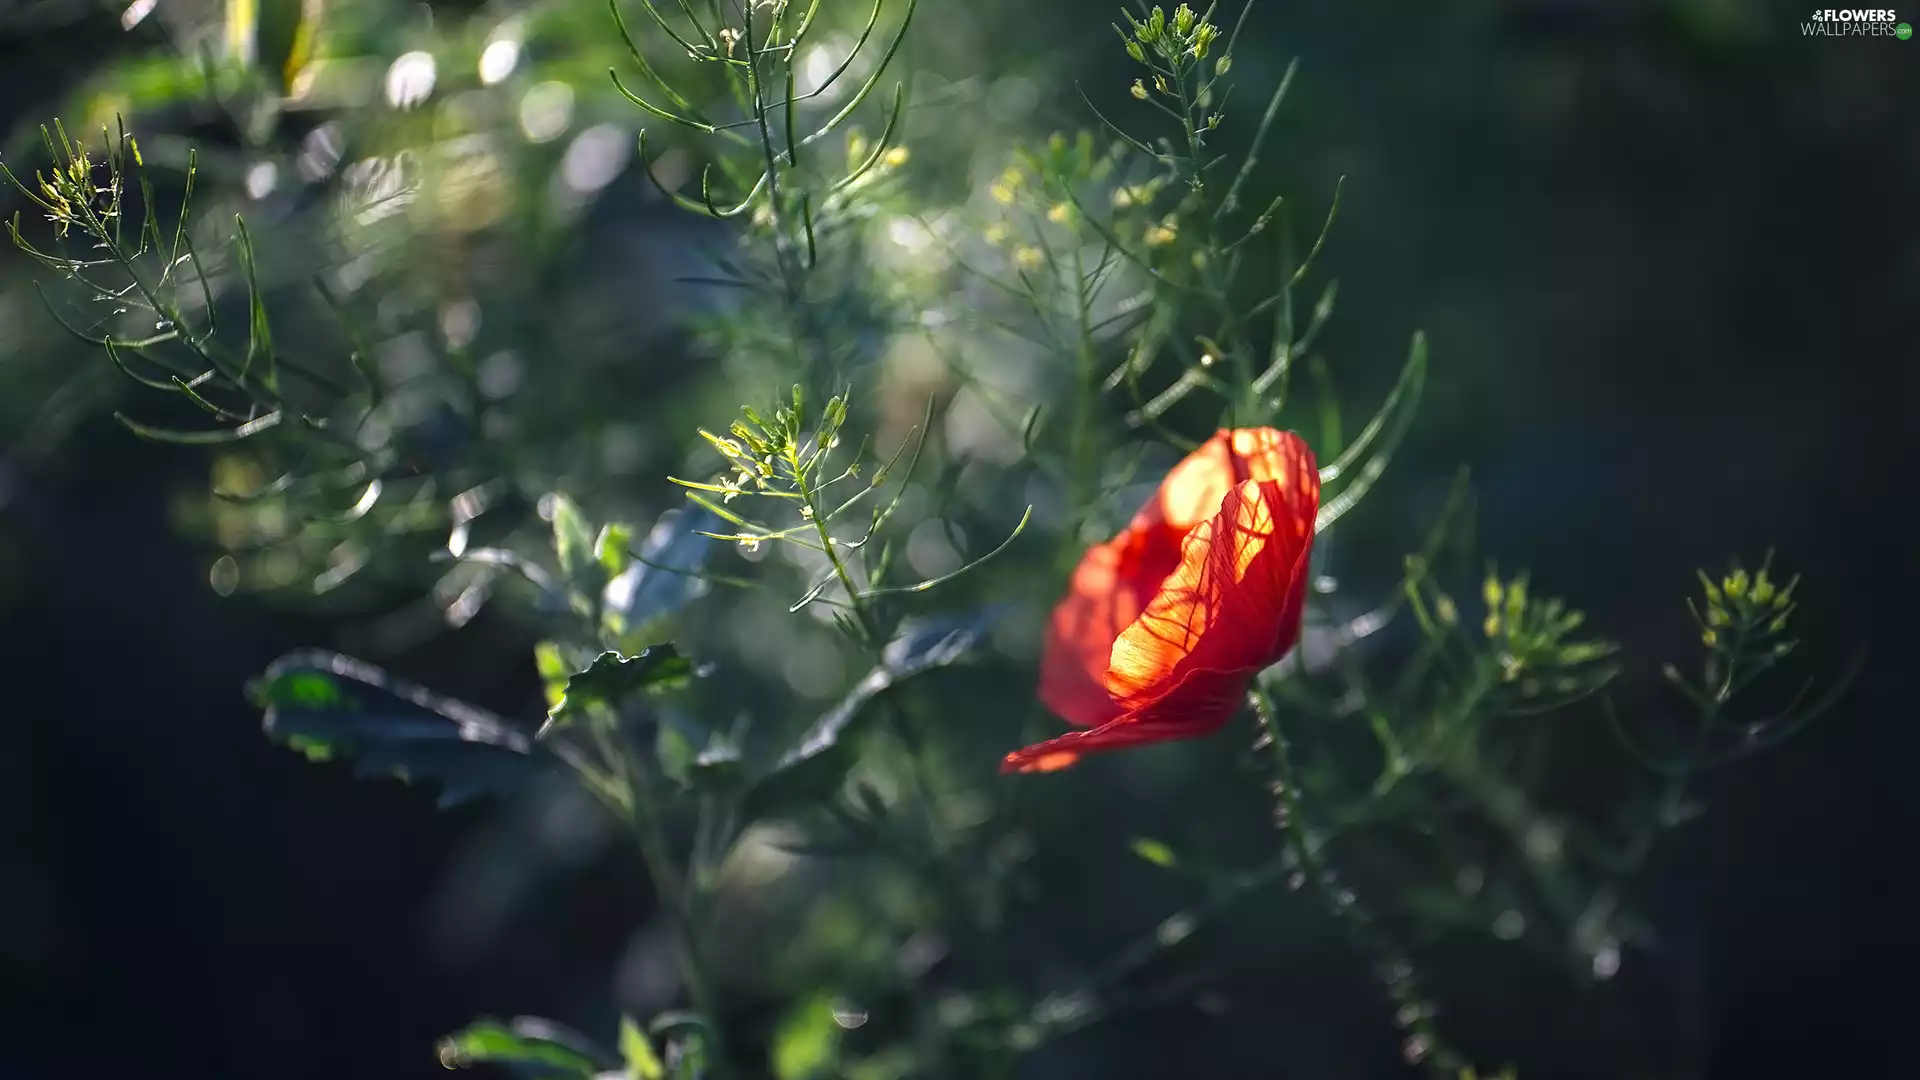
(674, 751)
(1388, 426)
(693, 754)
(1155, 852)
(610, 550)
(573, 544)
(637, 1049)
(526, 1046)
(666, 573)
(259, 329)
(819, 762)
(326, 705)
(807, 1043)
(549, 660)
(613, 678)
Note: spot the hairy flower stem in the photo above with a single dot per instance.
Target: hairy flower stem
(1413, 1010)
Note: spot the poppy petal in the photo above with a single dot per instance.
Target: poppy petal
(1200, 703)
(1234, 602)
(1193, 490)
(1165, 625)
(1100, 603)
(1066, 750)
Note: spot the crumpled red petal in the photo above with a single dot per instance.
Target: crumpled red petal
(1231, 606)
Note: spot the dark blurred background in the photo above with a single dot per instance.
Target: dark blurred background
(1666, 254)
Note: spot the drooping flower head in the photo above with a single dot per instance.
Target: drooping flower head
(1165, 625)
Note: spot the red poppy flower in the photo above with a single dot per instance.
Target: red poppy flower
(1165, 625)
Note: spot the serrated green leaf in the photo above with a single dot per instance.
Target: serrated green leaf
(612, 679)
(326, 705)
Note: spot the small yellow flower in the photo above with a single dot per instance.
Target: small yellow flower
(1027, 258)
(1203, 40)
(1059, 213)
(895, 157)
(996, 234)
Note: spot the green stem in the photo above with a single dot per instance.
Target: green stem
(643, 816)
(1245, 404)
(876, 645)
(1414, 1011)
(1081, 485)
(940, 872)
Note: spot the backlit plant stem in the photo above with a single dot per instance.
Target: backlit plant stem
(644, 816)
(876, 645)
(943, 880)
(1414, 1012)
(1213, 285)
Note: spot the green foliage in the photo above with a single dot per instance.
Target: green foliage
(328, 706)
(806, 1045)
(814, 769)
(1743, 622)
(525, 1046)
(613, 678)
(642, 1062)
(1021, 351)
